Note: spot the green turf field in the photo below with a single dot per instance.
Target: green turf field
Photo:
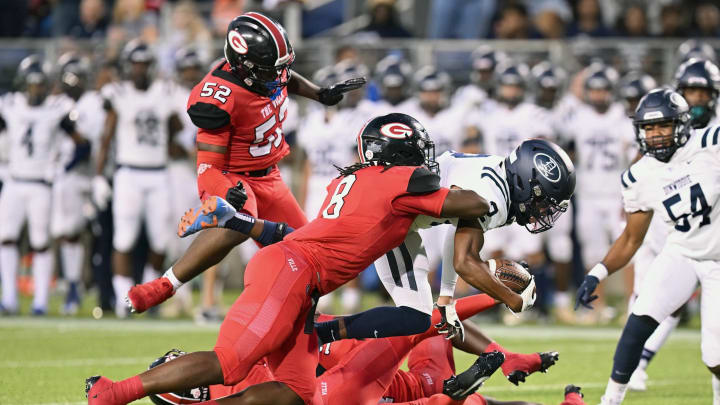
(45, 361)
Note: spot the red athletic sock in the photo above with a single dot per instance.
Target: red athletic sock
(128, 390)
(573, 398)
(495, 346)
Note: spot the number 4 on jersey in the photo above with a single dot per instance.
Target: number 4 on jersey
(337, 201)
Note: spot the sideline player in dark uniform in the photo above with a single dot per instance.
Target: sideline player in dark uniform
(239, 108)
(370, 211)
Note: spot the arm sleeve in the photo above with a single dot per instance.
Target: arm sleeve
(208, 116)
(449, 276)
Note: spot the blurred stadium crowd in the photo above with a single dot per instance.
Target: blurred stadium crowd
(79, 200)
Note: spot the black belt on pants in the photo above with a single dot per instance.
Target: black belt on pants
(256, 173)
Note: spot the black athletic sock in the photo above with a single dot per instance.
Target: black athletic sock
(630, 346)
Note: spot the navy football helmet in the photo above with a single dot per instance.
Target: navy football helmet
(74, 73)
(259, 53)
(191, 396)
(541, 177)
(396, 140)
(484, 61)
(511, 74)
(549, 81)
(692, 48)
(662, 105)
(703, 74)
(32, 78)
(633, 86)
(393, 74)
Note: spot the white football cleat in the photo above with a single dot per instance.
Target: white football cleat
(638, 380)
(606, 401)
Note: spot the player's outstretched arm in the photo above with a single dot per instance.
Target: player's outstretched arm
(464, 204)
(326, 95)
(469, 239)
(620, 253)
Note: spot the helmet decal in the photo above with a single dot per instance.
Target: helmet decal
(237, 42)
(277, 35)
(678, 100)
(547, 166)
(396, 130)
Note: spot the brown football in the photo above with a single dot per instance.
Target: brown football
(511, 273)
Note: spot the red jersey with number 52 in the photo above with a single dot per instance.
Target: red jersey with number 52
(248, 124)
(365, 215)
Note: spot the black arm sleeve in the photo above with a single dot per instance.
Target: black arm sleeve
(423, 181)
(208, 116)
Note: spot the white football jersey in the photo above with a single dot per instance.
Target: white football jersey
(483, 174)
(90, 123)
(33, 133)
(683, 192)
(469, 96)
(602, 142)
(504, 129)
(446, 128)
(141, 135)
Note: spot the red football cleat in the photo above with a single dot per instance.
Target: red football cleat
(518, 366)
(145, 296)
(98, 391)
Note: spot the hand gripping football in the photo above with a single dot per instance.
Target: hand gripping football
(514, 275)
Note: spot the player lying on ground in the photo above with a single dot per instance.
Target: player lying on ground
(369, 212)
(678, 178)
(364, 372)
(239, 108)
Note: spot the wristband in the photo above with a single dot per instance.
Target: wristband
(599, 271)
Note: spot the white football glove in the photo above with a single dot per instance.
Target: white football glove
(528, 295)
(101, 192)
(450, 324)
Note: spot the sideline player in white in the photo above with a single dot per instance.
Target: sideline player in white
(142, 122)
(34, 123)
(479, 93)
(71, 187)
(678, 178)
(549, 84)
(393, 74)
(513, 120)
(697, 81)
(602, 136)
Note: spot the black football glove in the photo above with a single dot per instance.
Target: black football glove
(67, 124)
(585, 293)
(334, 94)
(237, 196)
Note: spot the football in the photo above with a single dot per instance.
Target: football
(514, 275)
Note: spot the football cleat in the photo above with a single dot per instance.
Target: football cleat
(95, 387)
(460, 386)
(517, 367)
(213, 213)
(638, 380)
(147, 295)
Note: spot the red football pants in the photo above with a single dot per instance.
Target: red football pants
(268, 320)
(268, 197)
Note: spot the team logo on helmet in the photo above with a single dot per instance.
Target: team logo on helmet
(396, 130)
(678, 100)
(547, 166)
(237, 42)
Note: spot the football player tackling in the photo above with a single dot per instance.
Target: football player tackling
(678, 178)
(370, 210)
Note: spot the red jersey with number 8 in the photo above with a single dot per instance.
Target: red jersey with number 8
(248, 124)
(366, 214)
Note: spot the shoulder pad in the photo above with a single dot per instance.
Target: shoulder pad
(423, 181)
(710, 136)
(208, 116)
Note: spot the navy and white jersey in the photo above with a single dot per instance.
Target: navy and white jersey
(483, 174)
(602, 143)
(684, 192)
(141, 134)
(90, 123)
(32, 135)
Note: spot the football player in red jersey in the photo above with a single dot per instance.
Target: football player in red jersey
(354, 372)
(239, 108)
(369, 211)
